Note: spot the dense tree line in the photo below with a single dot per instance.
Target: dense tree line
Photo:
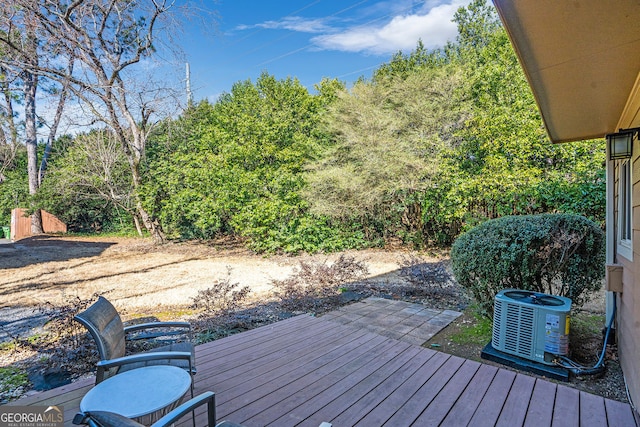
(88, 51)
(433, 144)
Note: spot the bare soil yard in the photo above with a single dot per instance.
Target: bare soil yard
(139, 277)
(143, 279)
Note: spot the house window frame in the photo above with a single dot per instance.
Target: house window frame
(625, 209)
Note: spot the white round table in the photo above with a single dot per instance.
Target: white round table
(138, 392)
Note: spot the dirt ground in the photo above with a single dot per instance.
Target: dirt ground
(138, 276)
(144, 279)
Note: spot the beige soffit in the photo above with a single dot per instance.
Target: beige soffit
(582, 59)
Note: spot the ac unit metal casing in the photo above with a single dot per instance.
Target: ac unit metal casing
(531, 325)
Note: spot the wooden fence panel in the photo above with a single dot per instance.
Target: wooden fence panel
(21, 224)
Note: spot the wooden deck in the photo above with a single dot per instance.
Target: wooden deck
(306, 370)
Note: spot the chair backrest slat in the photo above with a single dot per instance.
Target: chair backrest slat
(105, 326)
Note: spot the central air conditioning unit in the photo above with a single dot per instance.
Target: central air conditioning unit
(531, 325)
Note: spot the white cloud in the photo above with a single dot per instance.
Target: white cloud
(292, 23)
(432, 25)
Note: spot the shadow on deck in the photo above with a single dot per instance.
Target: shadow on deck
(306, 370)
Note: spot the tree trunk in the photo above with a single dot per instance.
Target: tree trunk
(152, 226)
(53, 130)
(8, 137)
(106, 41)
(30, 85)
(36, 222)
(136, 221)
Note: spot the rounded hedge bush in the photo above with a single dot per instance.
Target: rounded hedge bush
(557, 254)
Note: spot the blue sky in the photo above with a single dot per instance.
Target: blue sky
(308, 39)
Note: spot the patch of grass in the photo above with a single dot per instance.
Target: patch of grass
(126, 233)
(12, 378)
(583, 323)
(7, 345)
(162, 316)
(586, 339)
(474, 333)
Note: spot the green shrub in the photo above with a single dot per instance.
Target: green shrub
(558, 254)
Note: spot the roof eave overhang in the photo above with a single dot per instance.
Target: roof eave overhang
(582, 60)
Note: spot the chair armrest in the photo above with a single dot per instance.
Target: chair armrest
(103, 365)
(207, 397)
(103, 418)
(179, 328)
(133, 328)
(144, 357)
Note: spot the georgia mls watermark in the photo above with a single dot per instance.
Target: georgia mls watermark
(31, 416)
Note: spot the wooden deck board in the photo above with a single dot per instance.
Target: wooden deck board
(515, 408)
(437, 410)
(414, 406)
(344, 404)
(305, 383)
(305, 370)
(388, 407)
(463, 410)
(357, 370)
(493, 401)
(567, 402)
(313, 383)
(618, 413)
(372, 399)
(236, 380)
(255, 354)
(540, 410)
(592, 409)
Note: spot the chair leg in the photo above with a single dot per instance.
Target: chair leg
(193, 413)
(212, 411)
(191, 373)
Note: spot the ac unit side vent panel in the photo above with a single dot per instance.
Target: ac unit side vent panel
(519, 330)
(496, 340)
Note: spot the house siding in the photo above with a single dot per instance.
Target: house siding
(628, 301)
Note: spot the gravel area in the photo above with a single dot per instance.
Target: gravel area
(20, 321)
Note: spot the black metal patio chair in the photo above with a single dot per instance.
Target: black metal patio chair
(105, 326)
(110, 419)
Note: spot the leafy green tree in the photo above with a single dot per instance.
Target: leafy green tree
(14, 190)
(389, 138)
(89, 185)
(493, 157)
(435, 143)
(185, 176)
(235, 167)
(404, 65)
(504, 163)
